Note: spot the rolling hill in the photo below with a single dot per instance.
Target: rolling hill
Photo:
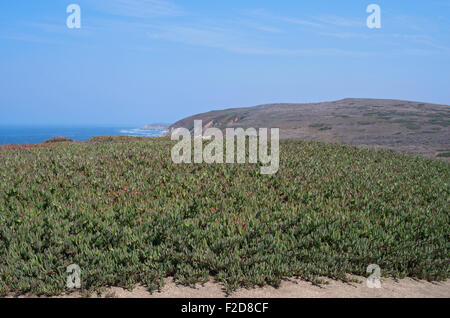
(406, 126)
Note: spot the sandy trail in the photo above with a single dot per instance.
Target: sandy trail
(291, 288)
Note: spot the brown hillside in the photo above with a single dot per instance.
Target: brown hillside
(411, 127)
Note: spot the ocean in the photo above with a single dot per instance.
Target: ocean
(20, 135)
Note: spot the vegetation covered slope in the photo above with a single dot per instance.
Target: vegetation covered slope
(126, 214)
(411, 127)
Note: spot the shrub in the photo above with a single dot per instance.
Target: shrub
(58, 139)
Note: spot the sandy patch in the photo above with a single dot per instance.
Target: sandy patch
(291, 288)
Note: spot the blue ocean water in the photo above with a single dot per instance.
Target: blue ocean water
(36, 134)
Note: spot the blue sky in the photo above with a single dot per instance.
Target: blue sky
(140, 61)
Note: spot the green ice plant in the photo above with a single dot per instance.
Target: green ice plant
(126, 214)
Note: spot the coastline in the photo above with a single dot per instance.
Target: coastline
(25, 135)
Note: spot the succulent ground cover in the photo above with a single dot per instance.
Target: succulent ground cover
(122, 211)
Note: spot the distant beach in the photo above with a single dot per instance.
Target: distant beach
(36, 134)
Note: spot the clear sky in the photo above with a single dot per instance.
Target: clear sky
(140, 61)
